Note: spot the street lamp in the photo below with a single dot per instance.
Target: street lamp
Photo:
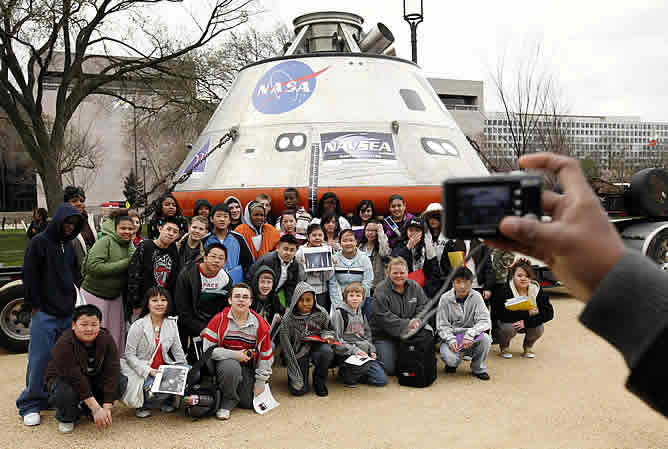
(414, 16)
(143, 166)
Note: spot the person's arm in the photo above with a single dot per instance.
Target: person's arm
(111, 371)
(337, 324)
(443, 326)
(391, 323)
(335, 294)
(183, 300)
(98, 263)
(32, 274)
(488, 270)
(141, 367)
(294, 371)
(481, 317)
(545, 309)
(176, 348)
(367, 278)
(136, 276)
(384, 249)
(265, 360)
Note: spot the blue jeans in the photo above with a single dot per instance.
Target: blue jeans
(387, 352)
(478, 352)
(376, 374)
(366, 307)
(44, 331)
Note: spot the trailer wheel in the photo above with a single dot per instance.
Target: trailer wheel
(14, 320)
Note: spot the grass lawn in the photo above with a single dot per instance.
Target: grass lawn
(12, 246)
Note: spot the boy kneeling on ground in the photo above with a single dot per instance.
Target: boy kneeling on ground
(84, 371)
(353, 330)
(302, 325)
(462, 312)
(243, 354)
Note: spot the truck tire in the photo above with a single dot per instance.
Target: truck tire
(14, 321)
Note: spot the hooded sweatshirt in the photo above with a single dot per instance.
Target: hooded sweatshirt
(105, 270)
(356, 336)
(234, 199)
(50, 267)
(295, 326)
(269, 305)
(260, 240)
(469, 317)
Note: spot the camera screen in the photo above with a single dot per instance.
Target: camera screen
(482, 206)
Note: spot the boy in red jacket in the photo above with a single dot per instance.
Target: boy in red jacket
(243, 354)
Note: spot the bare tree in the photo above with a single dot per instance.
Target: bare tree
(166, 124)
(532, 105)
(59, 40)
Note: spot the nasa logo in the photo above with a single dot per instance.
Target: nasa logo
(358, 145)
(285, 87)
(198, 163)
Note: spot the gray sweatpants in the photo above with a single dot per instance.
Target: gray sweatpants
(478, 353)
(505, 332)
(236, 382)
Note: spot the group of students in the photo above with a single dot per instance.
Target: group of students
(232, 280)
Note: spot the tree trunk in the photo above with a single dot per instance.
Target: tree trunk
(53, 186)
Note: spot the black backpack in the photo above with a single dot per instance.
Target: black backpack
(202, 397)
(416, 365)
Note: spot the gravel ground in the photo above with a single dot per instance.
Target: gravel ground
(571, 396)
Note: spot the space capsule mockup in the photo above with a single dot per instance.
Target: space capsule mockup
(336, 113)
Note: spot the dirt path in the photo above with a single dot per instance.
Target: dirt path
(571, 396)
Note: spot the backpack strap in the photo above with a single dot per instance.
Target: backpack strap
(197, 367)
(346, 319)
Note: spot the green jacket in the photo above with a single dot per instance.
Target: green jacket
(105, 270)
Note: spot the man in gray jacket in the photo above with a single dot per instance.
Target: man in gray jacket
(462, 320)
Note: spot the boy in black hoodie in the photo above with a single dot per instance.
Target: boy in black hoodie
(50, 272)
(265, 299)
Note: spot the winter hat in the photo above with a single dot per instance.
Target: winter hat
(433, 209)
(415, 222)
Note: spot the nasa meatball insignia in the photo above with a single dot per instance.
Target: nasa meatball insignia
(285, 87)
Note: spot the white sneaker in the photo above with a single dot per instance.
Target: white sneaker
(505, 353)
(65, 427)
(529, 354)
(223, 414)
(31, 419)
(468, 358)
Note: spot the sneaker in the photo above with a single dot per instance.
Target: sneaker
(481, 376)
(320, 390)
(468, 358)
(143, 412)
(450, 369)
(351, 385)
(167, 408)
(65, 427)
(505, 353)
(223, 414)
(529, 354)
(31, 419)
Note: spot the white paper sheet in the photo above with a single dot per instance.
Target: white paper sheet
(265, 401)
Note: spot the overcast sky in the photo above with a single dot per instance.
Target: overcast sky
(610, 56)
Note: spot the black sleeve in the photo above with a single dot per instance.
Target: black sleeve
(433, 278)
(245, 255)
(502, 314)
(136, 277)
(544, 306)
(153, 228)
(33, 270)
(489, 276)
(32, 230)
(184, 305)
(176, 269)
(649, 378)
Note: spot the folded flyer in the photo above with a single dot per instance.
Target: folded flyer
(357, 360)
(265, 401)
(522, 303)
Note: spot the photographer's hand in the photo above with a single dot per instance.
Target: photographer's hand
(579, 235)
